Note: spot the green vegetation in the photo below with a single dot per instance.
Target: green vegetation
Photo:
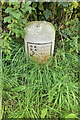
(40, 91)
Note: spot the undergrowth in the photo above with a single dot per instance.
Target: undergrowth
(40, 91)
(32, 90)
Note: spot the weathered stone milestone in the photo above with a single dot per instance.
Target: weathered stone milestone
(39, 40)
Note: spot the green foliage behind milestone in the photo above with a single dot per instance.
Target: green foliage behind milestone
(37, 91)
(16, 18)
(17, 14)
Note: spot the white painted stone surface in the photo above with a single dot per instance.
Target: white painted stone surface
(39, 40)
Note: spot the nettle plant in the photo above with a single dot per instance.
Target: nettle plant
(17, 14)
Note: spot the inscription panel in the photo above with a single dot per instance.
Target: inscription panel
(39, 51)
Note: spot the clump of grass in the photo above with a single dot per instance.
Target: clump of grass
(40, 91)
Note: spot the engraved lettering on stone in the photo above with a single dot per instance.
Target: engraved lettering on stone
(39, 50)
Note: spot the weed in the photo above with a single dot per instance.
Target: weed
(30, 90)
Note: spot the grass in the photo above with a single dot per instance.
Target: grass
(40, 91)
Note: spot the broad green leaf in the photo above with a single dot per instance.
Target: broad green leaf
(28, 3)
(16, 3)
(25, 8)
(10, 25)
(64, 4)
(47, 13)
(8, 10)
(40, 7)
(8, 19)
(34, 5)
(16, 15)
(29, 9)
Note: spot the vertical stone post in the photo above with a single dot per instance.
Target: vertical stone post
(39, 40)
